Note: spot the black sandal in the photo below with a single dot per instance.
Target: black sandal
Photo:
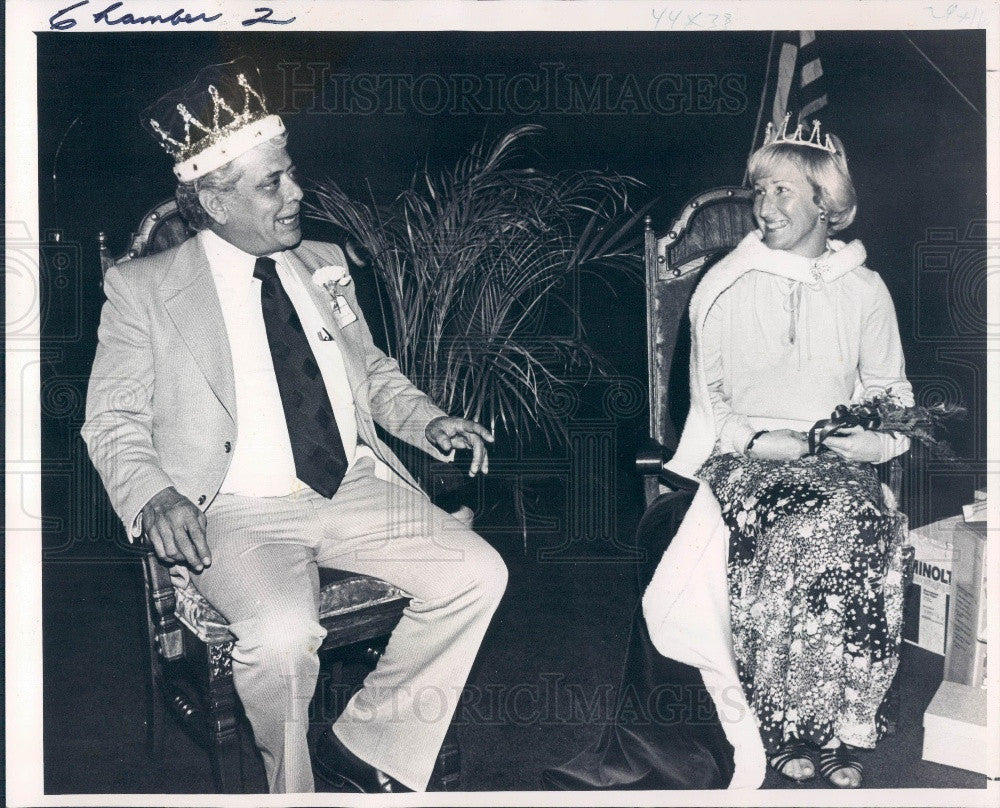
(793, 750)
(837, 759)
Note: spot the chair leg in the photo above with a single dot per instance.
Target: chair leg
(447, 774)
(155, 708)
(891, 706)
(224, 737)
(332, 697)
(893, 698)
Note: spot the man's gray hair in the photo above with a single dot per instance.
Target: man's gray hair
(222, 180)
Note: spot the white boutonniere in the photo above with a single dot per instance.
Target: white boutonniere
(330, 277)
(333, 278)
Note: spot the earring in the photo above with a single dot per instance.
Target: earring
(822, 215)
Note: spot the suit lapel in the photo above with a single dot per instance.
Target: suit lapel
(357, 374)
(193, 304)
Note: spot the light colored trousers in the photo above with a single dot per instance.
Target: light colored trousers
(264, 579)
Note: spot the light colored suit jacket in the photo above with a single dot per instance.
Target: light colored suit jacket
(161, 404)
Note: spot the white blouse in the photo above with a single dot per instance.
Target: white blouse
(782, 354)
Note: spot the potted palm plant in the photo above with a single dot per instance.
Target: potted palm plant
(475, 266)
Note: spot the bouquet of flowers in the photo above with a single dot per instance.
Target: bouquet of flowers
(885, 413)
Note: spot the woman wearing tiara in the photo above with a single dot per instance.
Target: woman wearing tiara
(782, 587)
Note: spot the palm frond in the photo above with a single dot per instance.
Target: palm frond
(473, 260)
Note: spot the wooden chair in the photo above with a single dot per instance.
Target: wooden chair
(710, 225)
(190, 646)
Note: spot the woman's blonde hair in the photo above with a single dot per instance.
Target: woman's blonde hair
(826, 172)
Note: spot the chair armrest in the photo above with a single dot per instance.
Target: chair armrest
(651, 460)
(161, 605)
(650, 457)
(157, 573)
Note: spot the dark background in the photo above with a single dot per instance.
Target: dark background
(917, 154)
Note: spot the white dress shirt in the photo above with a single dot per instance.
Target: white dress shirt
(263, 465)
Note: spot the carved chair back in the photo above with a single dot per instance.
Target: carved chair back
(710, 226)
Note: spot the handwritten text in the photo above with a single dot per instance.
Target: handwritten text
(116, 14)
(677, 19)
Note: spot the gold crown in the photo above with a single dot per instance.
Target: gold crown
(797, 138)
(211, 132)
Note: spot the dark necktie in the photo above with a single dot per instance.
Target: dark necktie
(320, 460)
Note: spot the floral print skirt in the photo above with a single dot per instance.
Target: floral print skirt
(816, 601)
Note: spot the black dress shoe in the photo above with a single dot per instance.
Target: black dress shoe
(338, 766)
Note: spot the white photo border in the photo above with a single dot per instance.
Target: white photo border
(23, 452)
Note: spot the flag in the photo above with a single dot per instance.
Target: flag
(793, 82)
(800, 87)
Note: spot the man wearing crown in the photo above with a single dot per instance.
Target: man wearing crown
(231, 414)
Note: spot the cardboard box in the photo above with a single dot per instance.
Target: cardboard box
(928, 599)
(966, 647)
(975, 511)
(955, 729)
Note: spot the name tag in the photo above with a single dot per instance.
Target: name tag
(343, 312)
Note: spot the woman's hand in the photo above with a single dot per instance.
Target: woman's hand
(855, 444)
(780, 444)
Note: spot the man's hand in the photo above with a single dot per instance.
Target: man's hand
(780, 444)
(176, 529)
(856, 444)
(447, 433)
